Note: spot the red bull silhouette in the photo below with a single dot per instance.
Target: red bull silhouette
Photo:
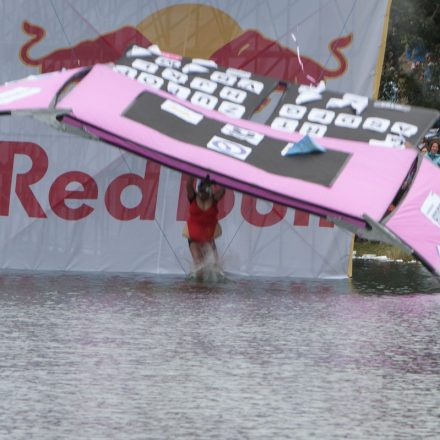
(250, 51)
(106, 48)
(253, 52)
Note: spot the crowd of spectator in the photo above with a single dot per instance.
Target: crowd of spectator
(420, 63)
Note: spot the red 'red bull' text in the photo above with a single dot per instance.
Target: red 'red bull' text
(147, 184)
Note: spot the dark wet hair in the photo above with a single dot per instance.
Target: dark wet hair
(205, 183)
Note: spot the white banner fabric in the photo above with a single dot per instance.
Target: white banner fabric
(73, 204)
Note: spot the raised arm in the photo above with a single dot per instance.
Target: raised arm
(218, 193)
(190, 188)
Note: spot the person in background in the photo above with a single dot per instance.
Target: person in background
(202, 227)
(434, 153)
(423, 144)
(428, 67)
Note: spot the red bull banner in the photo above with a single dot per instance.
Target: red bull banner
(338, 42)
(99, 208)
(73, 204)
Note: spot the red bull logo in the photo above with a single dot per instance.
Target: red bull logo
(106, 48)
(257, 54)
(193, 30)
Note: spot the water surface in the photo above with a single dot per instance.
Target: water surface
(95, 356)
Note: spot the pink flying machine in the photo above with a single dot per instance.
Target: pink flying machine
(340, 156)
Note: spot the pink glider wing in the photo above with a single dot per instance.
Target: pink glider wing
(352, 182)
(34, 92)
(367, 181)
(416, 221)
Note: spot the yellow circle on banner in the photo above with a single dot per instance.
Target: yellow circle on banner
(192, 30)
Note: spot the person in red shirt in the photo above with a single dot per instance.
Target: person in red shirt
(202, 227)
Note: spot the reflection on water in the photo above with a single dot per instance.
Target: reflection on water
(98, 356)
(395, 278)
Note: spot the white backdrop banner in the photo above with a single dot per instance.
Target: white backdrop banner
(71, 204)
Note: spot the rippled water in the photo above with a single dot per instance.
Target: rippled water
(92, 356)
